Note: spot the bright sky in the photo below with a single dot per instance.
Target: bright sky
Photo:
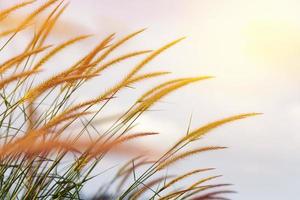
(253, 49)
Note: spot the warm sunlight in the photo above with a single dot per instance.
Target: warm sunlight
(273, 41)
(81, 81)
(261, 32)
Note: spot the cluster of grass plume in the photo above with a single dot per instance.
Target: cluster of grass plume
(36, 140)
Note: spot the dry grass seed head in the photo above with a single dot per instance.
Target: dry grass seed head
(58, 49)
(157, 95)
(173, 160)
(148, 186)
(106, 94)
(201, 189)
(35, 92)
(102, 45)
(205, 129)
(60, 119)
(151, 57)
(4, 13)
(46, 27)
(117, 44)
(147, 100)
(119, 59)
(160, 86)
(49, 24)
(4, 82)
(19, 58)
(192, 191)
(146, 76)
(186, 175)
(212, 195)
(127, 79)
(150, 101)
(103, 148)
(29, 18)
(46, 147)
(175, 194)
(203, 181)
(90, 56)
(32, 146)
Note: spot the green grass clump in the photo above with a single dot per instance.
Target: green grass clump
(44, 157)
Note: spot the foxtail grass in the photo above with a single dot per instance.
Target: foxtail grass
(51, 143)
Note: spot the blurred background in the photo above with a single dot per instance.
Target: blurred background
(251, 47)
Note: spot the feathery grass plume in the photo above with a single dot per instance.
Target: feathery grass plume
(71, 71)
(19, 58)
(90, 70)
(111, 147)
(160, 86)
(146, 76)
(108, 146)
(32, 134)
(101, 147)
(147, 186)
(57, 120)
(162, 93)
(201, 189)
(29, 143)
(203, 181)
(186, 175)
(44, 147)
(35, 92)
(82, 105)
(105, 43)
(90, 56)
(79, 68)
(119, 59)
(102, 45)
(4, 13)
(32, 140)
(167, 90)
(151, 57)
(46, 124)
(176, 193)
(15, 77)
(113, 47)
(213, 195)
(46, 27)
(58, 49)
(29, 18)
(12, 31)
(207, 128)
(187, 154)
(30, 146)
(117, 44)
(50, 23)
(104, 96)
(38, 11)
(124, 82)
